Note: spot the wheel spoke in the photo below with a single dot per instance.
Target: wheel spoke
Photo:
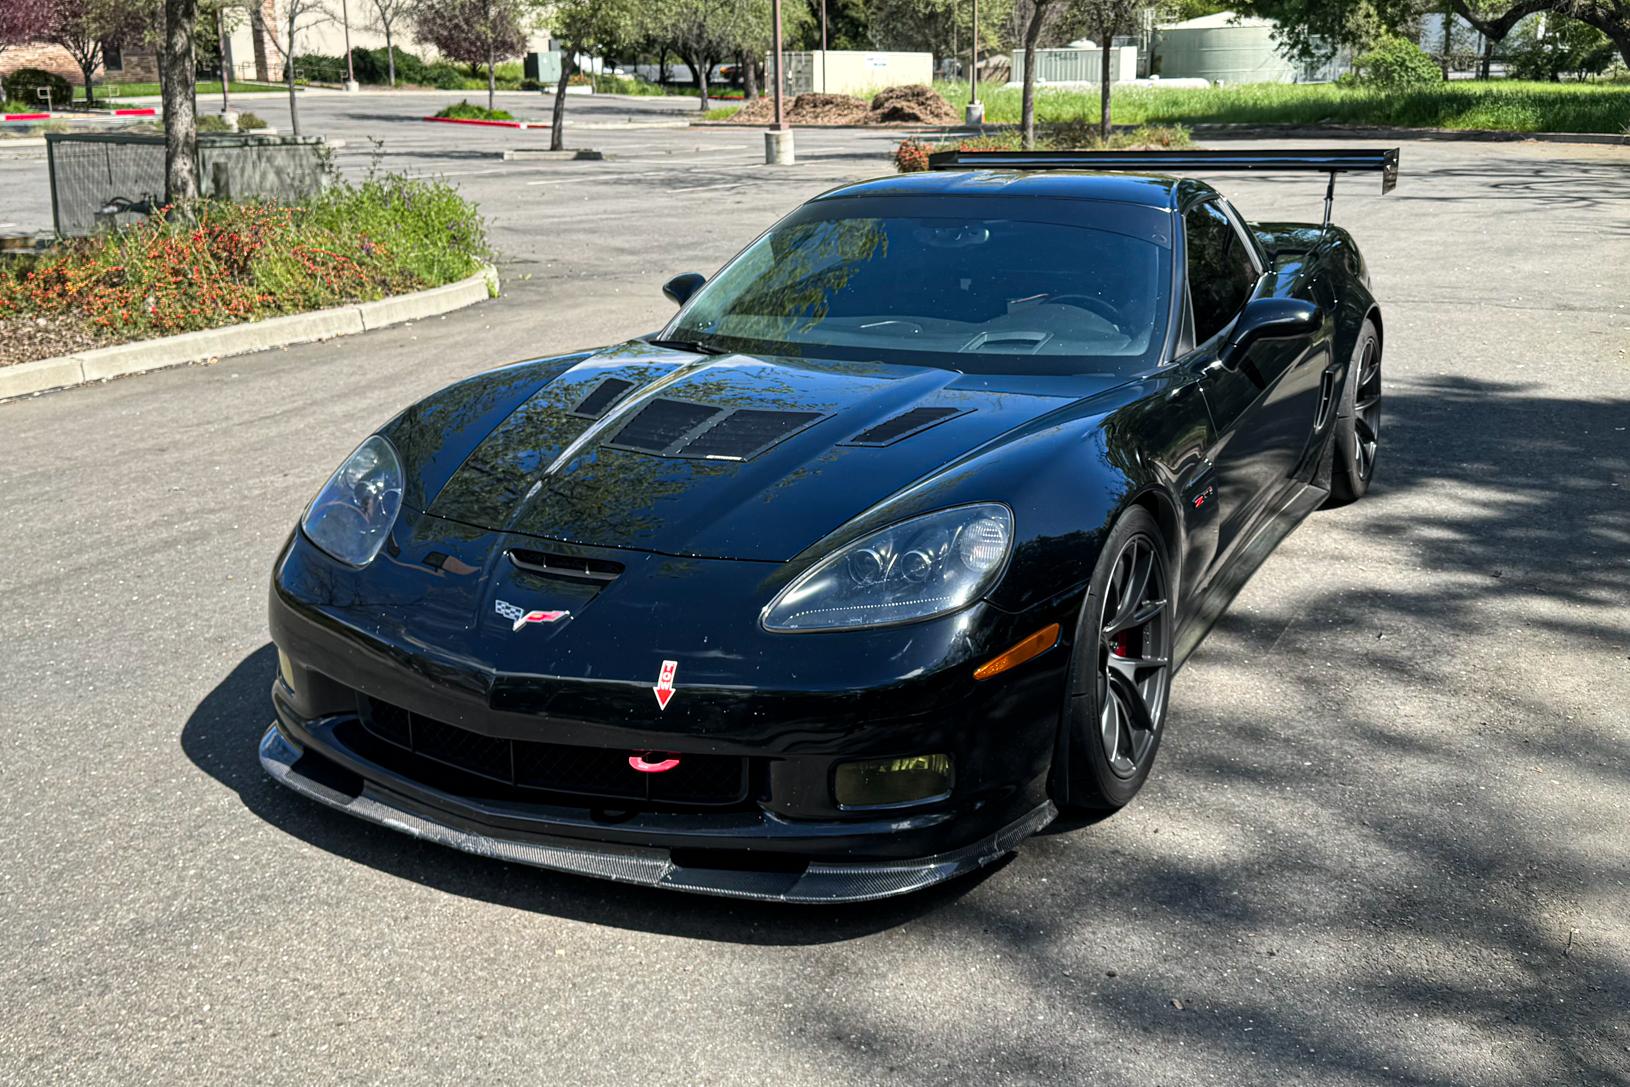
(1129, 666)
(1366, 432)
(1109, 724)
(1132, 703)
(1144, 614)
(1365, 404)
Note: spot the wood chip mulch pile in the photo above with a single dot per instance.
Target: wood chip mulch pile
(24, 339)
(915, 104)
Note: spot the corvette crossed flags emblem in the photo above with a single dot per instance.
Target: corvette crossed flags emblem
(520, 617)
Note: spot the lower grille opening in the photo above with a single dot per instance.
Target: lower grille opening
(726, 860)
(475, 765)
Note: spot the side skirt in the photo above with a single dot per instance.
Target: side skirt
(1247, 558)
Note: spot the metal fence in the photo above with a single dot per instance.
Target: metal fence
(101, 180)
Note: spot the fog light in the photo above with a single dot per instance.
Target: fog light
(285, 669)
(879, 782)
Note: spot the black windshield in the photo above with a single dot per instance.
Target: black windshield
(1030, 288)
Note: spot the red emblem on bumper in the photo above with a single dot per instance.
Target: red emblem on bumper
(645, 766)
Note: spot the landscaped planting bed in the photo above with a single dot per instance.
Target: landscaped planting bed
(238, 262)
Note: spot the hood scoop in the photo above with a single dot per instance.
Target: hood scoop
(679, 428)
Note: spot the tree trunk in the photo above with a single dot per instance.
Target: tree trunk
(87, 68)
(1103, 94)
(288, 76)
(699, 71)
(1487, 62)
(557, 115)
(492, 82)
(1027, 109)
(180, 110)
(390, 55)
(1448, 39)
(749, 79)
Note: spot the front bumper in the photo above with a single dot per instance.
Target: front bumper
(305, 772)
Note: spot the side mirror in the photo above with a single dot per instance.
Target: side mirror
(682, 286)
(1269, 319)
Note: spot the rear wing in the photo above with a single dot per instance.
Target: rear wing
(1383, 161)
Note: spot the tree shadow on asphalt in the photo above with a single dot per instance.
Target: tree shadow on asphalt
(1346, 892)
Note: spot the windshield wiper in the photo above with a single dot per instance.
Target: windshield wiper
(697, 347)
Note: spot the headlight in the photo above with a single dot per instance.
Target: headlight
(917, 569)
(354, 512)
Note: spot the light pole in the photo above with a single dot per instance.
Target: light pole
(778, 140)
(823, 46)
(351, 83)
(975, 114)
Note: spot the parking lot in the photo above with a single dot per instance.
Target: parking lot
(1384, 843)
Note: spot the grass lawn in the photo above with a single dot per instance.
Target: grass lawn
(1509, 106)
(128, 90)
(719, 113)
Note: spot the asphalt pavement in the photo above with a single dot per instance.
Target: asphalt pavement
(1384, 844)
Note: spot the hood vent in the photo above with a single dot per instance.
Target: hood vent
(601, 397)
(661, 425)
(905, 425)
(745, 433)
(677, 428)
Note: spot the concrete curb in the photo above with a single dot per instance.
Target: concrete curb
(84, 367)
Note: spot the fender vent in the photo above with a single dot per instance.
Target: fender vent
(904, 426)
(601, 397)
(661, 424)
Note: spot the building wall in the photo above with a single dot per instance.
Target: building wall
(851, 71)
(136, 65)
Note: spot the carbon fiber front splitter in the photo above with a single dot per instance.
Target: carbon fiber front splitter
(819, 882)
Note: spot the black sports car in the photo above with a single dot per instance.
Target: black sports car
(883, 551)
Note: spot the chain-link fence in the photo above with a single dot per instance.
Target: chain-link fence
(110, 179)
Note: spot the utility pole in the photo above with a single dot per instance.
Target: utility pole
(226, 70)
(351, 83)
(975, 114)
(778, 140)
(823, 46)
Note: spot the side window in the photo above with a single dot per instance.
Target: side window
(1221, 273)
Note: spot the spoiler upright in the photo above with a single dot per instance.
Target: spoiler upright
(1332, 161)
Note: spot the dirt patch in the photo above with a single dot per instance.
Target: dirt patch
(24, 339)
(915, 104)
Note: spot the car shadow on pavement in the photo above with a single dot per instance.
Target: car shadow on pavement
(221, 739)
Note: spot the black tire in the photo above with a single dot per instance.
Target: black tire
(1358, 422)
(1116, 712)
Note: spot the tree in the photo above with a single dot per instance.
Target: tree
(702, 32)
(83, 27)
(178, 67)
(1035, 15)
(585, 27)
(475, 32)
(1103, 19)
(1611, 17)
(941, 27)
(1546, 48)
(23, 21)
(1494, 19)
(298, 15)
(388, 15)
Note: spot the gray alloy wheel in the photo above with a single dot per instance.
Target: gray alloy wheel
(1121, 675)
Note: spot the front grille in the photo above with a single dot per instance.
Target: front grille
(593, 775)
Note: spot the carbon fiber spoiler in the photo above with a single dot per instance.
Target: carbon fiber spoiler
(1332, 161)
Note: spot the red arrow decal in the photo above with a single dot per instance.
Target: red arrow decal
(665, 683)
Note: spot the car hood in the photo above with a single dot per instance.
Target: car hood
(729, 456)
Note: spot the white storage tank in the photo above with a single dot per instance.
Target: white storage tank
(1223, 48)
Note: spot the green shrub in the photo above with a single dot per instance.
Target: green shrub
(912, 155)
(23, 85)
(212, 122)
(443, 76)
(464, 111)
(249, 122)
(1566, 46)
(1397, 62)
(240, 262)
